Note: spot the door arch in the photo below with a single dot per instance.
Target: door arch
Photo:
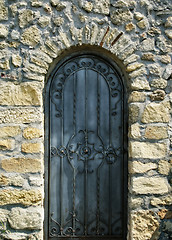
(86, 150)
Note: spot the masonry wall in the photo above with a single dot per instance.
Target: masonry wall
(33, 34)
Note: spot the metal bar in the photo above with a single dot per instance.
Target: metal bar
(61, 170)
(85, 163)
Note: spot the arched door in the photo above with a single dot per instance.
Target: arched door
(86, 160)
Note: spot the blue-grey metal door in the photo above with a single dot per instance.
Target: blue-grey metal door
(86, 150)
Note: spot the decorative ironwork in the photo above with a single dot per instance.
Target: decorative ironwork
(86, 139)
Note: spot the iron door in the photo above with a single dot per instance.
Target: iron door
(86, 151)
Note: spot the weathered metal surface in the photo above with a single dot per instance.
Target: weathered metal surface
(86, 150)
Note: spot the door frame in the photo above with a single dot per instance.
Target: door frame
(114, 62)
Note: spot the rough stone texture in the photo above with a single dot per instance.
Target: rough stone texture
(101, 6)
(17, 181)
(147, 45)
(139, 167)
(3, 180)
(21, 165)
(166, 200)
(3, 11)
(168, 22)
(25, 17)
(156, 112)
(16, 60)
(129, 27)
(24, 197)
(147, 150)
(3, 31)
(148, 57)
(120, 16)
(20, 115)
(31, 36)
(159, 83)
(134, 66)
(140, 83)
(157, 95)
(28, 218)
(168, 33)
(31, 147)
(134, 113)
(153, 185)
(164, 167)
(144, 225)
(30, 133)
(136, 96)
(156, 132)
(142, 24)
(10, 131)
(134, 131)
(135, 202)
(166, 59)
(23, 94)
(44, 21)
(7, 144)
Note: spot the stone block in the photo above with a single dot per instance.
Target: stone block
(132, 58)
(17, 181)
(135, 203)
(7, 144)
(147, 185)
(24, 94)
(138, 16)
(142, 24)
(31, 133)
(132, 67)
(155, 69)
(136, 96)
(26, 16)
(3, 11)
(168, 33)
(134, 111)
(31, 36)
(139, 167)
(31, 147)
(44, 21)
(148, 57)
(129, 27)
(168, 22)
(3, 31)
(134, 131)
(101, 6)
(138, 72)
(87, 6)
(25, 197)
(164, 167)
(166, 59)
(144, 225)
(10, 131)
(140, 83)
(25, 218)
(165, 200)
(16, 60)
(147, 150)
(159, 83)
(156, 132)
(156, 112)
(20, 115)
(4, 181)
(147, 45)
(120, 16)
(21, 165)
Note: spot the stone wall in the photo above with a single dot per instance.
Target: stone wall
(33, 35)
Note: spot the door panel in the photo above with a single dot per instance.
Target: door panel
(86, 146)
